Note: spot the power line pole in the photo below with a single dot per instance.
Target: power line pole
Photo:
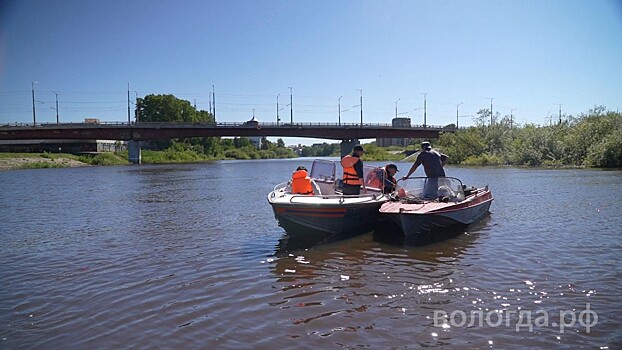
(425, 110)
(512, 118)
(128, 103)
(339, 108)
(291, 106)
(490, 98)
(34, 112)
(136, 110)
(278, 118)
(361, 91)
(56, 106)
(214, 101)
(458, 105)
(560, 112)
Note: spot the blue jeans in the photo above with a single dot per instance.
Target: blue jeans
(431, 188)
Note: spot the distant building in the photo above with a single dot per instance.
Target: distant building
(400, 122)
(255, 140)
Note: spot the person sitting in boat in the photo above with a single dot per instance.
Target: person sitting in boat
(374, 178)
(353, 172)
(390, 182)
(301, 183)
(433, 163)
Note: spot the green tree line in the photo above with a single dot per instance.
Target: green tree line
(168, 108)
(592, 139)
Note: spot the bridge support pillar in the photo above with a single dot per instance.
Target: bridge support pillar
(133, 148)
(347, 146)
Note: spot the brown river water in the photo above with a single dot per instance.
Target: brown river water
(191, 257)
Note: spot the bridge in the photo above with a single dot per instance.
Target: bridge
(147, 131)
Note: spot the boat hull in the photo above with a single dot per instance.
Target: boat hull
(425, 220)
(328, 217)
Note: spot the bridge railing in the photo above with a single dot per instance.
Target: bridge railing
(217, 125)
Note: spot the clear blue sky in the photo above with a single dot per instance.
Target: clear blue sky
(526, 55)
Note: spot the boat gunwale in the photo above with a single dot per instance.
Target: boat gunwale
(449, 208)
(279, 192)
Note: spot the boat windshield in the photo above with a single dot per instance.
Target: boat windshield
(323, 170)
(441, 188)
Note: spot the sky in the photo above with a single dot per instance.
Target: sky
(528, 56)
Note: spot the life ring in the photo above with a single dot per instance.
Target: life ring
(258, 127)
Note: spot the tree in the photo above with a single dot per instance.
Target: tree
(168, 108)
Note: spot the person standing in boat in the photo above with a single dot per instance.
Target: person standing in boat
(433, 163)
(353, 172)
(301, 183)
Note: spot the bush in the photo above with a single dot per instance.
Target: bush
(103, 159)
(484, 159)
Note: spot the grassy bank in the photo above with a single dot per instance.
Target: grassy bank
(10, 161)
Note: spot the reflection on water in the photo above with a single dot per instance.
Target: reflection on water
(191, 256)
(391, 234)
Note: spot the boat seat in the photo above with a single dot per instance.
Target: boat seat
(326, 187)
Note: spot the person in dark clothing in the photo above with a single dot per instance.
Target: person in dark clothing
(353, 172)
(389, 179)
(433, 163)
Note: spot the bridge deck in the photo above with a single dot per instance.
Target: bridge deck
(156, 131)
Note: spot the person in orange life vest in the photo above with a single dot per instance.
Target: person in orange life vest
(301, 183)
(389, 178)
(353, 172)
(375, 178)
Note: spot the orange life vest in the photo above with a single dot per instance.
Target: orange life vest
(374, 178)
(301, 183)
(349, 174)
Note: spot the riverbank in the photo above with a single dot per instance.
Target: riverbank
(13, 161)
(33, 162)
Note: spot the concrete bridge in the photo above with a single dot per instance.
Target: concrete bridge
(146, 131)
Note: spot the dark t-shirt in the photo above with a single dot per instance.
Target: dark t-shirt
(389, 183)
(432, 163)
(358, 167)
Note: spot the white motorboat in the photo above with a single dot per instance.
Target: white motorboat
(331, 212)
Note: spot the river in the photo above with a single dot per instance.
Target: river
(191, 257)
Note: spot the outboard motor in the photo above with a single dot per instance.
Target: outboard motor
(468, 190)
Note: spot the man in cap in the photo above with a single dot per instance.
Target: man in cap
(353, 172)
(389, 180)
(433, 163)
